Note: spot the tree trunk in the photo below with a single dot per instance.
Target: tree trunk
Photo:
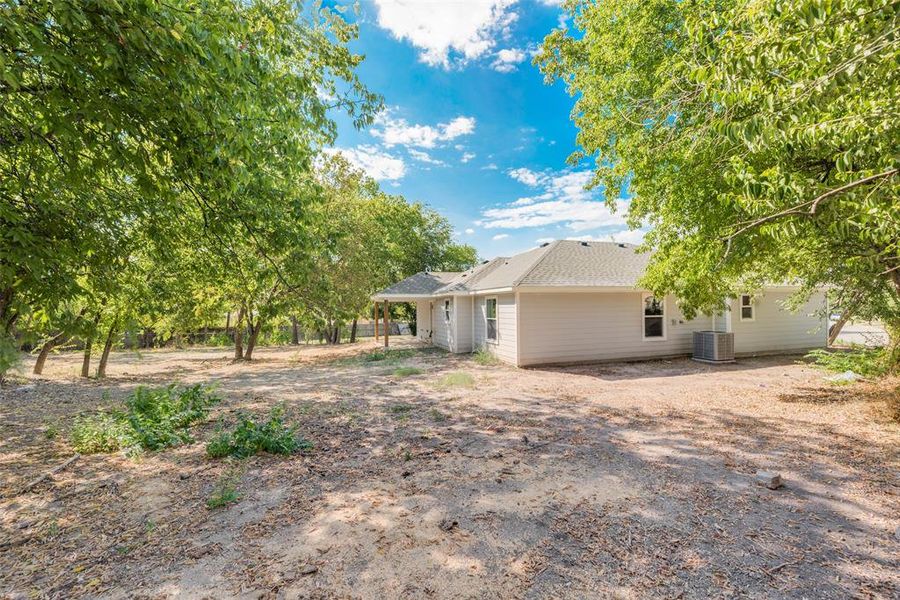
(336, 339)
(835, 330)
(45, 352)
(86, 361)
(353, 332)
(7, 317)
(228, 323)
(295, 331)
(104, 358)
(254, 334)
(239, 335)
(88, 343)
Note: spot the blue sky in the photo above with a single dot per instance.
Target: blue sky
(470, 128)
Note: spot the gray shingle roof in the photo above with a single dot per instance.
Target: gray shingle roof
(604, 264)
(558, 264)
(420, 284)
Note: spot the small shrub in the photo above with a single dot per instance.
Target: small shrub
(249, 437)
(868, 362)
(225, 491)
(219, 339)
(483, 357)
(407, 371)
(153, 418)
(101, 433)
(52, 431)
(458, 379)
(161, 417)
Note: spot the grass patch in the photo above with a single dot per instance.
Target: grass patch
(378, 357)
(400, 411)
(484, 358)
(457, 379)
(225, 491)
(437, 416)
(407, 371)
(868, 362)
(153, 418)
(248, 437)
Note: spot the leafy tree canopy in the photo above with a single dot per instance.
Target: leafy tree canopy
(760, 139)
(132, 115)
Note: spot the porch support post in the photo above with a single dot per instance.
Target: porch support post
(376, 321)
(387, 323)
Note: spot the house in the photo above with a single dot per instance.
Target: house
(570, 302)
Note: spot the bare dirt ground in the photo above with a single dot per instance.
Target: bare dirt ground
(610, 481)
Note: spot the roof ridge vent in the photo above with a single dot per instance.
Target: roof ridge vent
(545, 244)
(622, 245)
(585, 244)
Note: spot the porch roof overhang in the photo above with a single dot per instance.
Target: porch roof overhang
(400, 297)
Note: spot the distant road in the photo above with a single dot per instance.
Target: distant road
(868, 334)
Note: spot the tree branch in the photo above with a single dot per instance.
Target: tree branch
(849, 186)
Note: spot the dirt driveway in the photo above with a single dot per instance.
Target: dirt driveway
(612, 481)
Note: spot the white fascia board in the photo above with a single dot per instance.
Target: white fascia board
(400, 297)
(567, 289)
(504, 290)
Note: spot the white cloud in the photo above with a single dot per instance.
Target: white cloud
(505, 60)
(500, 236)
(467, 156)
(377, 164)
(490, 167)
(563, 200)
(628, 236)
(470, 231)
(526, 176)
(448, 33)
(423, 157)
(399, 131)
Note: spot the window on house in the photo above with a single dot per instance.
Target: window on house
(654, 318)
(490, 319)
(447, 310)
(747, 308)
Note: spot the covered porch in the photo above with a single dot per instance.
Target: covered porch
(382, 312)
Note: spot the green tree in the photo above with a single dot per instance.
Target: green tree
(759, 138)
(136, 114)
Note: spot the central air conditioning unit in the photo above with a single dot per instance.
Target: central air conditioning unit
(713, 347)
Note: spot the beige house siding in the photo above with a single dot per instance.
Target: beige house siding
(423, 320)
(505, 347)
(588, 326)
(462, 323)
(774, 328)
(441, 335)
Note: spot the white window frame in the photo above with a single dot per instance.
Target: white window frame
(448, 309)
(496, 339)
(665, 329)
(751, 304)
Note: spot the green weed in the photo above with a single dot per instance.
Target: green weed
(458, 379)
(484, 358)
(52, 431)
(249, 437)
(400, 411)
(407, 371)
(868, 362)
(153, 418)
(225, 491)
(437, 415)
